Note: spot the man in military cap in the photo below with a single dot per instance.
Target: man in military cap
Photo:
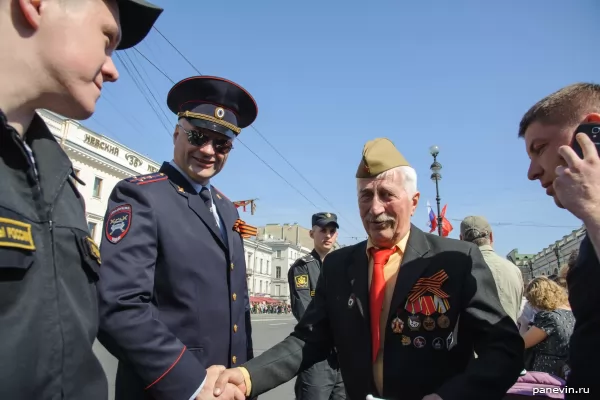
(508, 277)
(405, 309)
(54, 55)
(322, 381)
(173, 295)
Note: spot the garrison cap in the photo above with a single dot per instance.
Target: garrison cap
(379, 155)
(213, 103)
(137, 18)
(323, 219)
(475, 227)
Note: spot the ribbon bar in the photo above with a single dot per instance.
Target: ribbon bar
(244, 229)
(432, 284)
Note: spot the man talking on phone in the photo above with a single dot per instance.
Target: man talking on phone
(551, 129)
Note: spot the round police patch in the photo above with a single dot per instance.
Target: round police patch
(118, 223)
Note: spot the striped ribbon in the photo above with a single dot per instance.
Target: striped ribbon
(432, 284)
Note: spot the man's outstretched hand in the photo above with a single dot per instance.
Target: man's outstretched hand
(228, 391)
(229, 377)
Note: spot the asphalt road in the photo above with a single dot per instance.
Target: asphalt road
(267, 330)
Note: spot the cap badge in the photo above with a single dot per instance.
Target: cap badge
(219, 113)
(328, 215)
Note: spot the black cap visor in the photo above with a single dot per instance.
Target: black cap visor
(211, 126)
(322, 223)
(137, 18)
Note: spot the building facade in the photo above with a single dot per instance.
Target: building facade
(550, 259)
(284, 254)
(258, 267)
(99, 162)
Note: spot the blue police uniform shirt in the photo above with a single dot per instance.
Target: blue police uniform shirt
(198, 187)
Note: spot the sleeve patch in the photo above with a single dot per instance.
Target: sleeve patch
(92, 248)
(16, 234)
(118, 223)
(301, 281)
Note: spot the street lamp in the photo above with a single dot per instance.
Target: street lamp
(436, 167)
(557, 254)
(530, 268)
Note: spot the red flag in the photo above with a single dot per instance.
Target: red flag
(446, 225)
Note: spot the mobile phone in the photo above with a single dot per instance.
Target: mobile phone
(592, 130)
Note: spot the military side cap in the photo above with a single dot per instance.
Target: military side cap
(213, 103)
(379, 155)
(475, 227)
(323, 219)
(137, 18)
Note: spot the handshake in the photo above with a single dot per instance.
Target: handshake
(223, 384)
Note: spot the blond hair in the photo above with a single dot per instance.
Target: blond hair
(546, 295)
(567, 106)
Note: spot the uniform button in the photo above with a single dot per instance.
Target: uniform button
(234, 359)
(235, 328)
(234, 296)
(231, 266)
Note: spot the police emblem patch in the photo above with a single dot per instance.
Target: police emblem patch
(301, 281)
(118, 223)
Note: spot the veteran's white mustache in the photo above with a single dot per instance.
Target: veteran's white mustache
(381, 218)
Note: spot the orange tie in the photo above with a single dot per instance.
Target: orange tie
(377, 293)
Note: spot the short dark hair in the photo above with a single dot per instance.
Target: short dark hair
(566, 106)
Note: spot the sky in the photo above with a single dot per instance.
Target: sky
(330, 75)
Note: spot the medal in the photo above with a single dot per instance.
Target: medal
(429, 324)
(414, 322)
(405, 340)
(419, 342)
(443, 321)
(397, 325)
(438, 343)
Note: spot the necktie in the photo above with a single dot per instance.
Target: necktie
(377, 293)
(205, 195)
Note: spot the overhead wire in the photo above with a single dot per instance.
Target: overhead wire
(266, 140)
(140, 88)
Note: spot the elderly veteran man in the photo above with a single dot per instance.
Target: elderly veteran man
(173, 294)
(406, 310)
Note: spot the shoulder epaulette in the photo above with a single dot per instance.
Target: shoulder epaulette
(148, 178)
(219, 193)
(306, 259)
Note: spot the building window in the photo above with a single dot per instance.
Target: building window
(261, 288)
(278, 254)
(261, 266)
(278, 272)
(97, 187)
(277, 290)
(249, 259)
(268, 267)
(92, 229)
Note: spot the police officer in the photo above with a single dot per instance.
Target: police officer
(48, 262)
(322, 381)
(173, 293)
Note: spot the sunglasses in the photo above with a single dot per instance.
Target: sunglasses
(200, 139)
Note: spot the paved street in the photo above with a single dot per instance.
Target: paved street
(268, 329)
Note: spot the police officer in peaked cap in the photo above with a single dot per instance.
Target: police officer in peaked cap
(49, 262)
(173, 294)
(323, 380)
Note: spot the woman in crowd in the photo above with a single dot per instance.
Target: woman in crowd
(548, 337)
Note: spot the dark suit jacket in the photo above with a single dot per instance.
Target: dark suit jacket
(445, 364)
(173, 297)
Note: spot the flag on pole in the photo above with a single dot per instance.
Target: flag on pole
(432, 224)
(446, 225)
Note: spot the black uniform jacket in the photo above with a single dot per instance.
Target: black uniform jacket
(303, 276)
(48, 271)
(417, 361)
(174, 299)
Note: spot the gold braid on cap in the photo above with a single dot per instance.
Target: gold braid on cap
(189, 114)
